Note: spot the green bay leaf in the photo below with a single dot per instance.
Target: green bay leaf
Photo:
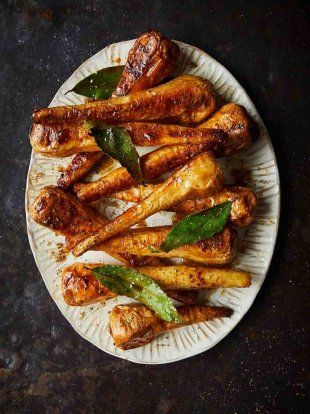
(116, 142)
(197, 227)
(101, 84)
(125, 281)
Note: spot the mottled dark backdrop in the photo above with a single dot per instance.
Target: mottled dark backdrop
(261, 366)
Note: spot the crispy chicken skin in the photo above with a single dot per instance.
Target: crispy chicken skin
(234, 120)
(78, 168)
(186, 99)
(153, 165)
(202, 175)
(151, 59)
(61, 140)
(216, 250)
(136, 325)
(80, 287)
(243, 200)
(62, 213)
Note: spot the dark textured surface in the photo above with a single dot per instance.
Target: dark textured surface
(261, 366)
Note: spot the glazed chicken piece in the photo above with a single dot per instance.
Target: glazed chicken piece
(186, 99)
(153, 165)
(151, 59)
(201, 176)
(136, 325)
(243, 200)
(80, 287)
(62, 213)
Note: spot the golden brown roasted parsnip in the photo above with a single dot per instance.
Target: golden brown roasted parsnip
(77, 168)
(228, 131)
(200, 176)
(243, 201)
(62, 139)
(153, 165)
(216, 250)
(63, 213)
(147, 134)
(151, 59)
(195, 277)
(234, 120)
(136, 325)
(243, 204)
(187, 99)
(80, 287)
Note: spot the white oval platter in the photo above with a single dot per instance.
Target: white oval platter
(255, 244)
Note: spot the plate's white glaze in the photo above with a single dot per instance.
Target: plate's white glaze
(255, 244)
